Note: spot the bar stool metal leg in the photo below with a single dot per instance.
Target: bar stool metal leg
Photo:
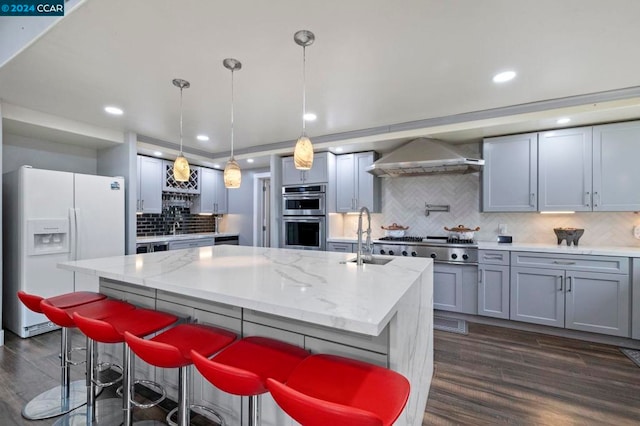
(63, 398)
(106, 412)
(254, 410)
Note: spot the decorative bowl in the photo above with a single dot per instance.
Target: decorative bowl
(570, 235)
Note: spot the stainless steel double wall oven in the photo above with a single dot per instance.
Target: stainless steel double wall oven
(303, 217)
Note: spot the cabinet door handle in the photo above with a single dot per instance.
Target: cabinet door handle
(561, 282)
(532, 199)
(137, 205)
(587, 198)
(141, 205)
(557, 262)
(569, 281)
(492, 257)
(596, 199)
(481, 276)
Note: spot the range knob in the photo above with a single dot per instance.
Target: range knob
(433, 255)
(390, 252)
(454, 256)
(465, 256)
(404, 253)
(381, 251)
(414, 254)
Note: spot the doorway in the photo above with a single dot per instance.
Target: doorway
(262, 210)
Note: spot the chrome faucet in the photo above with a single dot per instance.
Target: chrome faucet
(359, 253)
(176, 224)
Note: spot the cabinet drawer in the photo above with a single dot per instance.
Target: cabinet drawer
(207, 306)
(609, 264)
(379, 343)
(493, 257)
(342, 247)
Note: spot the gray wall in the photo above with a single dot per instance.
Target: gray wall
(121, 160)
(42, 154)
(240, 217)
(1, 266)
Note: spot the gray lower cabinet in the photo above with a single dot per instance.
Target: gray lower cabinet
(570, 293)
(493, 284)
(341, 247)
(455, 288)
(196, 242)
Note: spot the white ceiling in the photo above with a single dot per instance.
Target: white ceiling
(375, 64)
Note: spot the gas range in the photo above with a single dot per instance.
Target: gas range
(440, 249)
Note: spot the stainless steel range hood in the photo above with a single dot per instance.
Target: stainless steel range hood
(424, 156)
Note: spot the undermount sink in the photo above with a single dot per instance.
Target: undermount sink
(372, 261)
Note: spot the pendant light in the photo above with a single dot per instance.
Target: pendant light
(181, 172)
(232, 173)
(303, 153)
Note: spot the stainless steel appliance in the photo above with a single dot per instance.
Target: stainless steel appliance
(455, 269)
(304, 200)
(304, 232)
(440, 249)
(303, 217)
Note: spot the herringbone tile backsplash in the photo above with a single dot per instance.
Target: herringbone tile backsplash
(403, 201)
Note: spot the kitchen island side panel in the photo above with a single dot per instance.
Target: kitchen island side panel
(411, 356)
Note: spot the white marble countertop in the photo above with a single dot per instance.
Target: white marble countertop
(179, 237)
(563, 249)
(311, 286)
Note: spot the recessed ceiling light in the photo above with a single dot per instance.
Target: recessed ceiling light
(339, 149)
(564, 120)
(157, 153)
(249, 160)
(310, 116)
(217, 166)
(203, 138)
(504, 76)
(113, 110)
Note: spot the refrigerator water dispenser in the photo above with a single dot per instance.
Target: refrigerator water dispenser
(47, 236)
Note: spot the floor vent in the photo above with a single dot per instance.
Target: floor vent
(451, 325)
(632, 354)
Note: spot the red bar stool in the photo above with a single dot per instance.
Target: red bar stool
(244, 366)
(172, 349)
(68, 395)
(328, 389)
(64, 318)
(138, 322)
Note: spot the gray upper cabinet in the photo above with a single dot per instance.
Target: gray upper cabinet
(565, 169)
(213, 194)
(149, 185)
(355, 188)
(317, 174)
(169, 184)
(616, 150)
(510, 173)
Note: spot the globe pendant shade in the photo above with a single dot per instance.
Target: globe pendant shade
(232, 174)
(303, 154)
(181, 170)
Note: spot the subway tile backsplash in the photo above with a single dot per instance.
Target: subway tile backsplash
(149, 225)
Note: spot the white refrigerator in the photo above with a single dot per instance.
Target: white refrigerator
(51, 217)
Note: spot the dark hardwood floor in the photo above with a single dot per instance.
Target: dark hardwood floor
(490, 376)
(496, 375)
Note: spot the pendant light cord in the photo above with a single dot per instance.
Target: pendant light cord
(304, 89)
(181, 155)
(232, 114)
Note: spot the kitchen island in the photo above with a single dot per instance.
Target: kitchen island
(379, 313)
